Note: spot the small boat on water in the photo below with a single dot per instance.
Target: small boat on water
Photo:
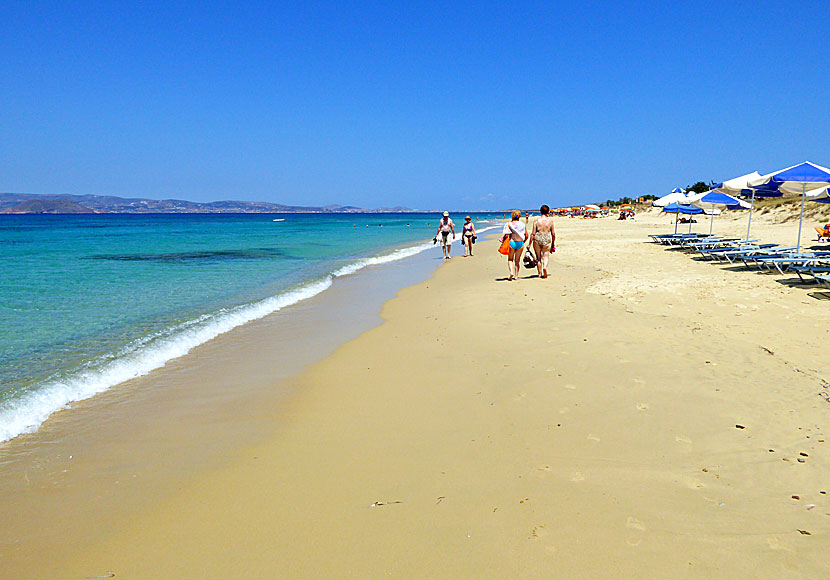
(279, 220)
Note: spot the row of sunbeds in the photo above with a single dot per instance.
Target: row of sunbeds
(808, 266)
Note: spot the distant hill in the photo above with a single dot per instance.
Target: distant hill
(48, 205)
(112, 204)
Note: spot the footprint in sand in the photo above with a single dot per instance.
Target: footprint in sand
(564, 410)
(635, 524)
(543, 470)
(570, 386)
(642, 406)
(693, 483)
(681, 439)
(592, 437)
(537, 533)
(577, 476)
(776, 544)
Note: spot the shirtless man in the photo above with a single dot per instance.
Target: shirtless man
(543, 238)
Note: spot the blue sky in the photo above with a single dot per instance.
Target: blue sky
(427, 105)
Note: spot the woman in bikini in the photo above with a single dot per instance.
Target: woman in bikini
(468, 235)
(543, 238)
(517, 232)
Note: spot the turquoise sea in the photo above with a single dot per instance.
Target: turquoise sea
(89, 301)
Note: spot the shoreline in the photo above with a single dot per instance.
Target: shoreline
(109, 456)
(582, 426)
(144, 354)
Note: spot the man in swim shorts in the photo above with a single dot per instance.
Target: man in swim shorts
(445, 227)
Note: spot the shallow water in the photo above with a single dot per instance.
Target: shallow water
(89, 301)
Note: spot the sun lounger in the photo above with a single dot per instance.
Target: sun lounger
(668, 238)
(710, 244)
(756, 259)
(685, 239)
(795, 259)
(823, 279)
(730, 253)
(813, 271)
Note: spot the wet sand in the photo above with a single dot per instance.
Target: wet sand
(89, 469)
(639, 414)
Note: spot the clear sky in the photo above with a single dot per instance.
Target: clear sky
(467, 105)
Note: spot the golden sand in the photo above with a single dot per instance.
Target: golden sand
(639, 414)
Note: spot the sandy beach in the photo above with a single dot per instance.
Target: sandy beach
(639, 414)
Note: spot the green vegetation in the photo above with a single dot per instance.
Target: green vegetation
(700, 186)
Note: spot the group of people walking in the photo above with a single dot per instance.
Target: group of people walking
(542, 236)
(468, 235)
(515, 232)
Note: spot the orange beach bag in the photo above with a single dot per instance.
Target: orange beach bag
(505, 246)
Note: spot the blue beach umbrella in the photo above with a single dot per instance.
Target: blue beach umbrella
(714, 198)
(804, 178)
(678, 208)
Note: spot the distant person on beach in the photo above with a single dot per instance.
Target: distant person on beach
(445, 227)
(543, 238)
(517, 232)
(468, 236)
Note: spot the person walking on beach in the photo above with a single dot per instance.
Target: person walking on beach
(517, 232)
(468, 236)
(445, 226)
(543, 238)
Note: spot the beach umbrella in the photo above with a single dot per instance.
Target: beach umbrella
(678, 208)
(676, 195)
(804, 178)
(713, 198)
(740, 186)
(667, 199)
(821, 195)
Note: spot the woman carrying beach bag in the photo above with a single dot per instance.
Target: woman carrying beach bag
(515, 233)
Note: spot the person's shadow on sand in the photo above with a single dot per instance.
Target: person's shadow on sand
(507, 278)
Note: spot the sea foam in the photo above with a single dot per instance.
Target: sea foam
(27, 411)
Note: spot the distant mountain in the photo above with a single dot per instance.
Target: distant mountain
(48, 205)
(112, 204)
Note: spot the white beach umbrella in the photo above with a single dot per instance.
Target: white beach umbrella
(820, 195)
(806, 178)
(676, 196)
(740, 186)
